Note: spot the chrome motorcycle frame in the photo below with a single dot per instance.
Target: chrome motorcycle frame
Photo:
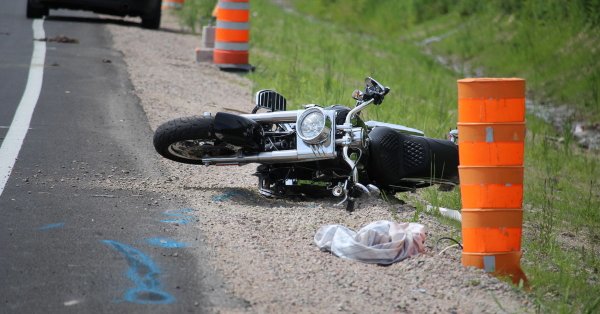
(303, 152)
(354, 137)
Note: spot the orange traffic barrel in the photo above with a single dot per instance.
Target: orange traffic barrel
(500, 263)
(491, 144)
(491, 100)
(491, 137)
(491, 187)
(232, 35)
(172, 4)
(492, 230)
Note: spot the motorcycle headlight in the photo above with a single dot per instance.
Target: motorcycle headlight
(313, 126)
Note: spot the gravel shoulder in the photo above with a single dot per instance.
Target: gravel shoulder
(263, 249)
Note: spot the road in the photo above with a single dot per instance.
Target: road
(68, 243)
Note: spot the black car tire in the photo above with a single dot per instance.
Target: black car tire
(35, 10)
(151, 19)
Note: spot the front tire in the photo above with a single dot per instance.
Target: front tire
(151, 19)
(188, 140)
(35, 10)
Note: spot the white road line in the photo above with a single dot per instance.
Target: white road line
(9, 151)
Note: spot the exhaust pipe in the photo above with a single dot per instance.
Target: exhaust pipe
(266, 157)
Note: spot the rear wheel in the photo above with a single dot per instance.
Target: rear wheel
(188, 140)
(35, 10)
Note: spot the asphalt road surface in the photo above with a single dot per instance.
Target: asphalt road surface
(65, 244)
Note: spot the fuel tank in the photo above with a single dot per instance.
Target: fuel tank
(239, 131)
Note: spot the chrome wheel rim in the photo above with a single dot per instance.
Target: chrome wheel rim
(195, 149)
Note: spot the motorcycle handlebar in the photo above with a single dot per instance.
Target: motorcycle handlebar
(376, 95)
(375, 90)
(356, 109)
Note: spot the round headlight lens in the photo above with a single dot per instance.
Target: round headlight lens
(312, 126)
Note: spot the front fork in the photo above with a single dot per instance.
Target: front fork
(352, 188)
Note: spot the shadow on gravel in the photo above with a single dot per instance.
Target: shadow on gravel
(250, 197)
(176, 31)
(90, 20)
(108, 20)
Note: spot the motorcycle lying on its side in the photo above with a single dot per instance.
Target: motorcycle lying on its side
(315, 151)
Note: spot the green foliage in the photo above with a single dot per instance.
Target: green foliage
(310, 61)
(411, 12)
(196, 13)
(555, 44)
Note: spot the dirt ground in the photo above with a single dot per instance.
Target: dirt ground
(263, 249)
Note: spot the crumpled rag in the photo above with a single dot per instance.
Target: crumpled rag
(380, 242)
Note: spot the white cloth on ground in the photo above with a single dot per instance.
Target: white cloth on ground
(380, 242)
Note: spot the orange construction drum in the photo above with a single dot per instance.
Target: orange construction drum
(491, 136)
(232, 35)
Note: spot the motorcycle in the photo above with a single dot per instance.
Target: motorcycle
(317, 150)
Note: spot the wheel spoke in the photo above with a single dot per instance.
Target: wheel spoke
(196, 149)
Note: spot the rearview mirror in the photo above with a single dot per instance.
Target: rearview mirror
(372, 83)
(357, 95)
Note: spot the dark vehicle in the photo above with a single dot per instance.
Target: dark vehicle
(148, 10)
(315, 151)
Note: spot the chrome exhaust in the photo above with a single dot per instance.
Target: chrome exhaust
(266, 157)
(279, 156)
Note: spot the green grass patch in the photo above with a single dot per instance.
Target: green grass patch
(554, 44)
(310, 61)
(562, 223)
(196, 13)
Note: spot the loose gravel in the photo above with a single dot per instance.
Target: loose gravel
(262, 249)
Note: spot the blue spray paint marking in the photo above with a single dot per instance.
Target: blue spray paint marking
(144, 274)
(51, 226)
(181, 215)
(166, 243)
(225, 196)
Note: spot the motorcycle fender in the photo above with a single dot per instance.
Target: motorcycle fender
(239, 131)
(397, 127)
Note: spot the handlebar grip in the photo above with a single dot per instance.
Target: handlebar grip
(378, 98)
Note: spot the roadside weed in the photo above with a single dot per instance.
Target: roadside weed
(196, 13)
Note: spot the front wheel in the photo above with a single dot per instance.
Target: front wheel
(151, 18)
(188, 140)
(35, 10)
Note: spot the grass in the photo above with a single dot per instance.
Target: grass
(314, 62)
(196, 13)
(562, 223)
(322, 56)
(554, 44)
